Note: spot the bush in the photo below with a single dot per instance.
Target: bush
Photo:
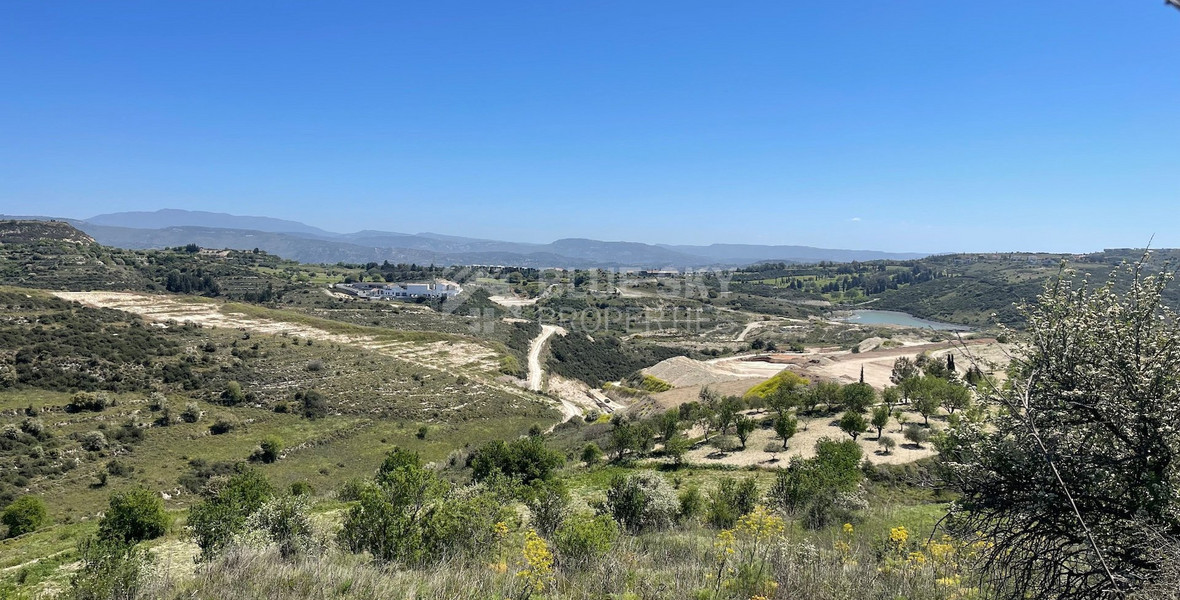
(692, 503)
(93, 441)
(91, 401)
(591, 454)
(524, 459)
(191, 413)
(583, 538)
(731, 500)
(24, 515)
(214, 522)
(351, 490)
(119, 468)
(548, 504)
(135, 515)
(223, 424)
(815, 488)
(725, 443)
(284, 522)
(413, 517)
(312, 404)
(232, 394)
(301, 488)
(642, 501)
(268, 450)
(110, 569)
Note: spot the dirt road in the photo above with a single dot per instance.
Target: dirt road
(535, 348)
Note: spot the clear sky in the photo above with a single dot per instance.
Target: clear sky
(925, 125)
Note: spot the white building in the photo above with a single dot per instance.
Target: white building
(400, 291)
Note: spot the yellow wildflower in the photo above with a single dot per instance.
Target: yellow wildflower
(899, 536)
(538, 560)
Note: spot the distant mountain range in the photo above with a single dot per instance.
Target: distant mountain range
(308, 244)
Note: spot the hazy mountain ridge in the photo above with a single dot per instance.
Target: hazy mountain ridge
(309, 244)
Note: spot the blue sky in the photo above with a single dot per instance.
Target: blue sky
(917, 125)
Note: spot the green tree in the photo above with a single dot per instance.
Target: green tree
(857, 397)
(744, 426)
(785, 427)
(675, 448)
(829, 394)
(853, 423)
(728, 412)
(917, 434)
(880, 418)
(955, 397)
(928, 396)
(891, 396)
(26, 514)
(668, 424)
(135, 515)
(903, 369)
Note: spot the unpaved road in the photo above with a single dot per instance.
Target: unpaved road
(535, 348)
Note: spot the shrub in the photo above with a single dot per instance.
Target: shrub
(223, 424)
(191, 413)
(692, 503)
(91, 401)
(548, 504)
(119, 468)
(93, 441)
(24, 515)
(413, 517)
(110, 569)
(214, 522)
(284, 522)
(351, 490)
(268, 450)
(525, 459)
(583, 538)
(725, 443)
(301, 488)
(731, 500)
(315, 365)
(233, 394)
(313, 404)
(815, 488)
(591, 453)
(135, 515)
(422, 431)
(642, 501)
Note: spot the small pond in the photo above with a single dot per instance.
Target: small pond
(892, 317)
